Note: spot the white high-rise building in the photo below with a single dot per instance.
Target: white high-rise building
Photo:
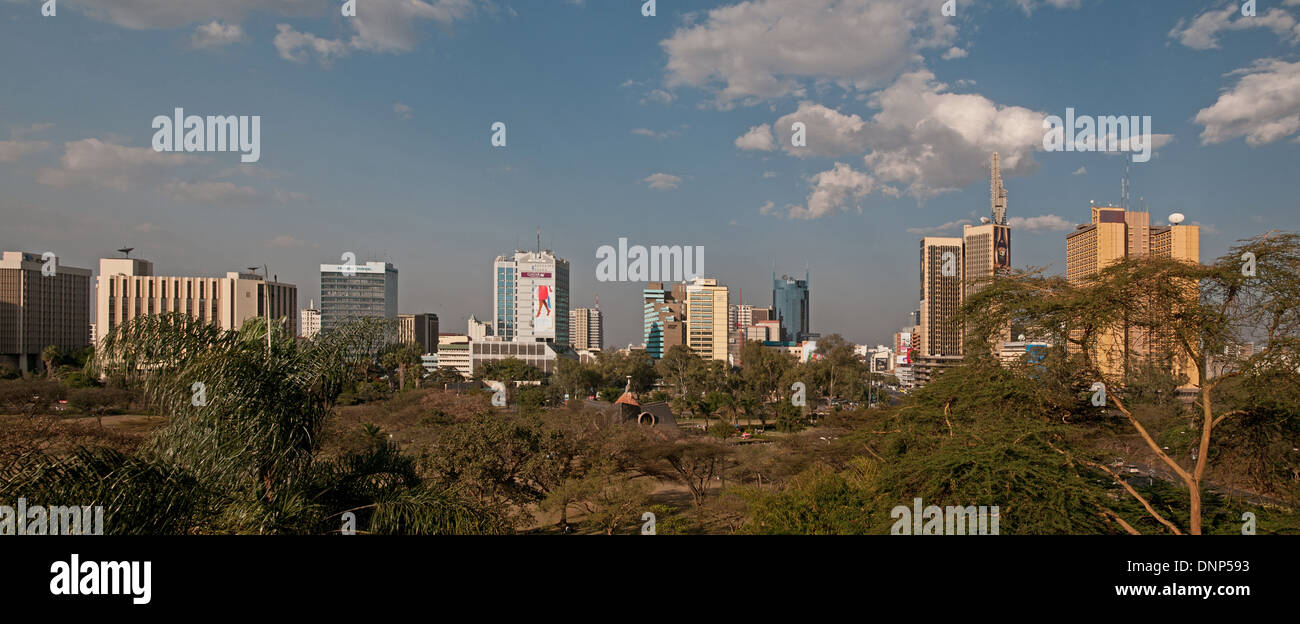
(531, 297)
(478, 330)
(310, 320)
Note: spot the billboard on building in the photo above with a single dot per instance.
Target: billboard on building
(1002, 246)
(544, 309)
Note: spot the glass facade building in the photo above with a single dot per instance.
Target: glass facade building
(350, 292)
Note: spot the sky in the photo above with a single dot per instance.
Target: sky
(671, 129)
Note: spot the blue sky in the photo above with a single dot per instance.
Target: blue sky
(670, 129)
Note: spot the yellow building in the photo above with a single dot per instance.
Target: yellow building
(706, 318)
(1115, 234)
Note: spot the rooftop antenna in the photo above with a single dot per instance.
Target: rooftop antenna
(126, 251)
(1123, 186)
(997, 192)
(539, 240)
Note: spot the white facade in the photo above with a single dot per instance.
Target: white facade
(531, 297)
(310, 321)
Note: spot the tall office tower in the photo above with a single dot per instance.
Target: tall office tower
(39, 310)
(664, 316)
(792, 305)
(988, 245)
(478, 330)
(310, 320)
(354, 291)
(127, 288)
(706, 316)
(740, 316)
(420, 329)
(1115, 234)
(940, 339)
(586, 328)
(531, 295)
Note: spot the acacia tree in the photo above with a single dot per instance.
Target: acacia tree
(1194, 315)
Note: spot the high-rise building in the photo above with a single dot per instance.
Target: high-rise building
(310, 324)
(531, 297)
(453, 353)
(792, 306)
(1113, 235)
(355, 291)
(419, 329)
(127, 288)
(39, 310)
(664, 316)
(706, 316)
(941, 296)
(587, 328)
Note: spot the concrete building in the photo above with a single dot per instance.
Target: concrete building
(1113, 235)
(540, 354)
(792, 305)
(310, 321)
(354, 291)
(420, 329)
(453, 353)
(127, 288)
(39, 309)
(531, 297)
(587, 328)
(664, 317)
(706, 316)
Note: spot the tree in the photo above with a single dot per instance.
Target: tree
(675, 365)
(50, 355)
(99, 401)
(402, 358)
(1191, 314)
(693, 464)
(240, 451)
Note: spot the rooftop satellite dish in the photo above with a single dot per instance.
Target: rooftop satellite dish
(1176, 218)
(1022, 338)
(984, 220)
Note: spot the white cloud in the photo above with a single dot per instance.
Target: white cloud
(768, 208)
(215, 34)
(390, 26)
(1263, 106)
(954, 53)
(832, 191)
(1080, 171)
(761, 49)
(285, 197)
(1202, 32)
(403, 111)
(1028, 6)
(663, 181)
(949, 227)
(757, 138)
(830, 133)
(770, 174)
(658, 136)
(99, 163)
(1043, 223)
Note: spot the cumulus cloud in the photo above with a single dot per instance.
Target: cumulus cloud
(836, 189)
(761, 49)
(663, 181)
(954, 53)
(215, 34)
(1263, 106)
(1202, 32)
(757, 138)
(1028, 6)
(1043, 223)
(12, 151)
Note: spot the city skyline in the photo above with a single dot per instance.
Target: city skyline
(685, 147)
